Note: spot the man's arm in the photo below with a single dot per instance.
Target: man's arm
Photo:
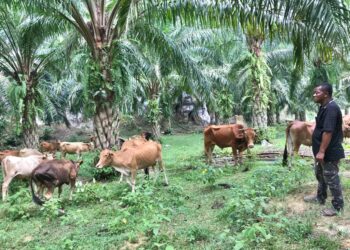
(326, 138)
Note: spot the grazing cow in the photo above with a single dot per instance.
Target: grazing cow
(13, 166)
(131, 159)
(75, 148)
(233, 135)
(28, 152)
(50, 147)
(54, 173)
(297, 133)
(5, 153)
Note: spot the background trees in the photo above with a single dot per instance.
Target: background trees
(251, 57)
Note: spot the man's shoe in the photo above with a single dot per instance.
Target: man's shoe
(313, 199)
(329, 212)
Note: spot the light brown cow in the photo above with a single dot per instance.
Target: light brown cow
(300, 133)
(51, 147)
(13, 166)
(346, 126)
(75, 148)
(131, 159)
(233, 135)
(297, 133)
(54, 173)
(5, 153)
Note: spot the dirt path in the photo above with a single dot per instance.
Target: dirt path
(337, 226)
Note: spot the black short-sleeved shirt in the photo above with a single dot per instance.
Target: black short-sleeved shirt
(329, 119)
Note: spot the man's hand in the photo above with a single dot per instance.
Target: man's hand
(320, 157)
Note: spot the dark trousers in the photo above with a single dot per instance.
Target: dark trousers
(327, 176)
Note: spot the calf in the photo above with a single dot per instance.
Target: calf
(233, 135)
(51, 147)
(131, 159)
(53, 174)
(75, 148)
(13, 166)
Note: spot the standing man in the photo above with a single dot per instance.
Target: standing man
(327, 149)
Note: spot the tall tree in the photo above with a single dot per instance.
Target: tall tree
(26, 50)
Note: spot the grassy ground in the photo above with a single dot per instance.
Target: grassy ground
(204, 207)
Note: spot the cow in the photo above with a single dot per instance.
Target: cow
(54, 173)
(132, 159)
(51, 147)
(297, 133)
(300, 133)
(13, 166)
(75, 148)
(346, 126)
(28, 152)
(235, 136)
(5, 153)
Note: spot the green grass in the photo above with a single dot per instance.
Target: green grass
(193, 212)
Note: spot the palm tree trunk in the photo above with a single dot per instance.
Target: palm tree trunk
(259, 114)
(156, 130)
(29, 126)
(259, 107)
(106, 125)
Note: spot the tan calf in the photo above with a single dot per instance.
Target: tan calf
(131, 159)
(51, 147)
(75, 148)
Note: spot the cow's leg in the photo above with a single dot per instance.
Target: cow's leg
(208, 147)
(59, 190)
(49, 192)
(133, 179)
(234, 155)
(5, 185)
(240, 156)
(161, 166)
(63, 154)
(72, 189)
(121, 177)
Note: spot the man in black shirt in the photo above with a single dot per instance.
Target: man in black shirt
(327, 149)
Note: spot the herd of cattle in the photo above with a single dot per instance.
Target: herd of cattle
(138, 152)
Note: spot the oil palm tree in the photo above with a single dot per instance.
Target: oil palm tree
(26, 51)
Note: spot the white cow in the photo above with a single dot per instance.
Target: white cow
(13, 166)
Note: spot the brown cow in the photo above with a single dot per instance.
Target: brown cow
(297, 133)
(51, 147)
(54, 173)
(346, 126)
(131, 159)
(75, 148)
(13, 166)
(233, 135)
(300, 133)
(5, 153)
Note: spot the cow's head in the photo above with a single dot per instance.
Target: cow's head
(106, 157)
(249, 135)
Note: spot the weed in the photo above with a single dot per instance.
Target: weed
(195, 233)
(323, 242)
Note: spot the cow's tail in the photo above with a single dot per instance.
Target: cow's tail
(3, 168)
(35, 198)
(286, 147)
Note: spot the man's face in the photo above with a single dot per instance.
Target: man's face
(319, 95)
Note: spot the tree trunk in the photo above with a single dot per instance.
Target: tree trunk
(29, 126)
(156, 130)
(259, 114)
(106, 125)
